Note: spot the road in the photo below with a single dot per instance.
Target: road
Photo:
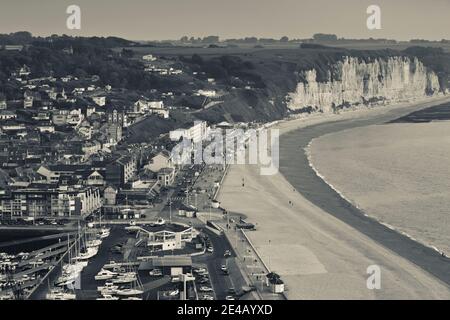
(220, 282)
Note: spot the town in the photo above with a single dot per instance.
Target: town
(219, 159)
(94, 209)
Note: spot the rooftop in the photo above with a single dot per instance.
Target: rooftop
(166, 171)
(171, 227)
(166, 261)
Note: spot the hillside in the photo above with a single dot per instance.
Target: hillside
(259, 81)
(250, 84)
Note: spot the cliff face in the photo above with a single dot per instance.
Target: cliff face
(352, 82)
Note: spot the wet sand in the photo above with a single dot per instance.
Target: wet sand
(320, 244)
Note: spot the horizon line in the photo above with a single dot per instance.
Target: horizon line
(221, 39)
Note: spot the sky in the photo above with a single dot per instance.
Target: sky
(172, 19)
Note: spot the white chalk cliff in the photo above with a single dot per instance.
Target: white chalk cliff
(352, 82)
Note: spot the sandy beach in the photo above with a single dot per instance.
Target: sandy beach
(318, 255)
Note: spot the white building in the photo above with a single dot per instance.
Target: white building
(100, 101)
(166, 176)
(3, 104)
(149, 57)
(159, 161)
(168, 237)
(207, 93)
(144, 106)
(7, 115)
(46, 129)
(198, 132)
(163, 113)
(156, 105)
(28, 102)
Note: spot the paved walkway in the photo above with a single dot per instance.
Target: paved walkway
(249, 261)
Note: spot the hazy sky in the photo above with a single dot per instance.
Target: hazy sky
(171, 19)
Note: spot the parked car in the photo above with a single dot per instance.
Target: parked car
(199, 270)
(207, 297)
(206, 289)
(174, 292)
(232, 291)
(230, 298)
(155, 272)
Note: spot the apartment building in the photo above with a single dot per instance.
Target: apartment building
(45, 201)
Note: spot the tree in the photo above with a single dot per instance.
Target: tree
(250, 40)
(127, 53)
(210, 39)
(197, 59)
(324, 37)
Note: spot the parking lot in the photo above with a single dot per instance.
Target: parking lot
(30, 221)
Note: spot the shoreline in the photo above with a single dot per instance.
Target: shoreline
(296, 122)
(306, 217)
(363, 212)
(359, 113)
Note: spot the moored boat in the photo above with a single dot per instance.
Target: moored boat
(60, 295)
(107, 297)
(129, 292)
(93, 243)
(104, 233)
(105, 275)
(90, 252)
(109, 286)
(112, 265)
(124, 279)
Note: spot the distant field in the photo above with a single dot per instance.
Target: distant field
(379, 46)
(190, 50)
(246, 49)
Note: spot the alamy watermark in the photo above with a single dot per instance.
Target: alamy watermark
(374, 280)
(374, 20)
(232, 146)
(73, 21)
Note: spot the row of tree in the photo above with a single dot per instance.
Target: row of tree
(215, 39)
